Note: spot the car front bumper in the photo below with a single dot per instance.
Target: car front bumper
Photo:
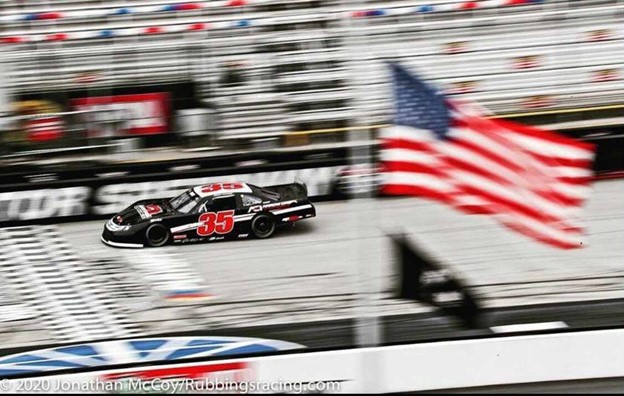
(109, 238)
(121, 245)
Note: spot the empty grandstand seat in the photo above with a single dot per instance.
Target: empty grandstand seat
(303, 43)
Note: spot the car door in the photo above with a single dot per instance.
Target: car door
(184, 226)
(216, 219)
(249, 205)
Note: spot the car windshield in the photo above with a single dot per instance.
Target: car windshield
(184, 202)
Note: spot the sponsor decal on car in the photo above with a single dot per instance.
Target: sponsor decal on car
(271, 207)
(220, 223)
(215, 188)
(148, 211)
(291, 218)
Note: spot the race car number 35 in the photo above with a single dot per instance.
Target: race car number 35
(220, 222)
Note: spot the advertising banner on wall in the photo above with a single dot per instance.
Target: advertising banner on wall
(125, 115)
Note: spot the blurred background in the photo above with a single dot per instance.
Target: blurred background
(103, 103)
(228, 75)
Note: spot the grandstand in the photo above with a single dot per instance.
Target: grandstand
(316, 64)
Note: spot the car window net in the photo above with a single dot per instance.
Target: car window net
(184, 202)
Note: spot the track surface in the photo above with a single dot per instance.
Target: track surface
(316, 270)
(429, 327)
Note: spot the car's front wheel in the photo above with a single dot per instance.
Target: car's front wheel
(157, 235)
(263, 226)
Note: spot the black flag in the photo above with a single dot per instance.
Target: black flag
(424, 279)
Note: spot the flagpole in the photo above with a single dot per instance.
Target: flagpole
(364, 214)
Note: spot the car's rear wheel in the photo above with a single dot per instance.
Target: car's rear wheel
(263, 226)
(157, 235)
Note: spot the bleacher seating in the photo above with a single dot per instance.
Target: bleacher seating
(506, 59)
(320, 63)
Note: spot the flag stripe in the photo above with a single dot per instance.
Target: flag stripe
(404, 144)
(536, 231)
(414, 156)
(430, 182)
(477, 169)
(545, 168)
(484, 162)
(587, 149)
(405, 166)
(490, 153)
(581, 163)
(509, 202)
(406, 189)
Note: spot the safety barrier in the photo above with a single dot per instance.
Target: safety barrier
(97, 192)
(404, 368)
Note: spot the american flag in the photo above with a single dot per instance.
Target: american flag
(534, 181)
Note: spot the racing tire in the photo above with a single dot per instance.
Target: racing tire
(263, 226)
(157, 235)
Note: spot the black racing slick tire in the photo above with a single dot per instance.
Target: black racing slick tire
(157, 235)
(263, 226)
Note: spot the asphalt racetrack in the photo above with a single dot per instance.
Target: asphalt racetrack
(321, 268)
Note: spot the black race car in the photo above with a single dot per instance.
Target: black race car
(209, 213)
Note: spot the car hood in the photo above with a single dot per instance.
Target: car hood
(143, 210)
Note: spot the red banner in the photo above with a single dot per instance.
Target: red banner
(123, 115)
(44, 128)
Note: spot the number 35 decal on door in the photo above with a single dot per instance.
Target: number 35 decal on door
(221, 223)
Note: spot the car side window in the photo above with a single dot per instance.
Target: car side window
(204, 206)
(250, 200)
(223, 203)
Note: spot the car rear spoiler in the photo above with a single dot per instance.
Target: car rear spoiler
(301, 183)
